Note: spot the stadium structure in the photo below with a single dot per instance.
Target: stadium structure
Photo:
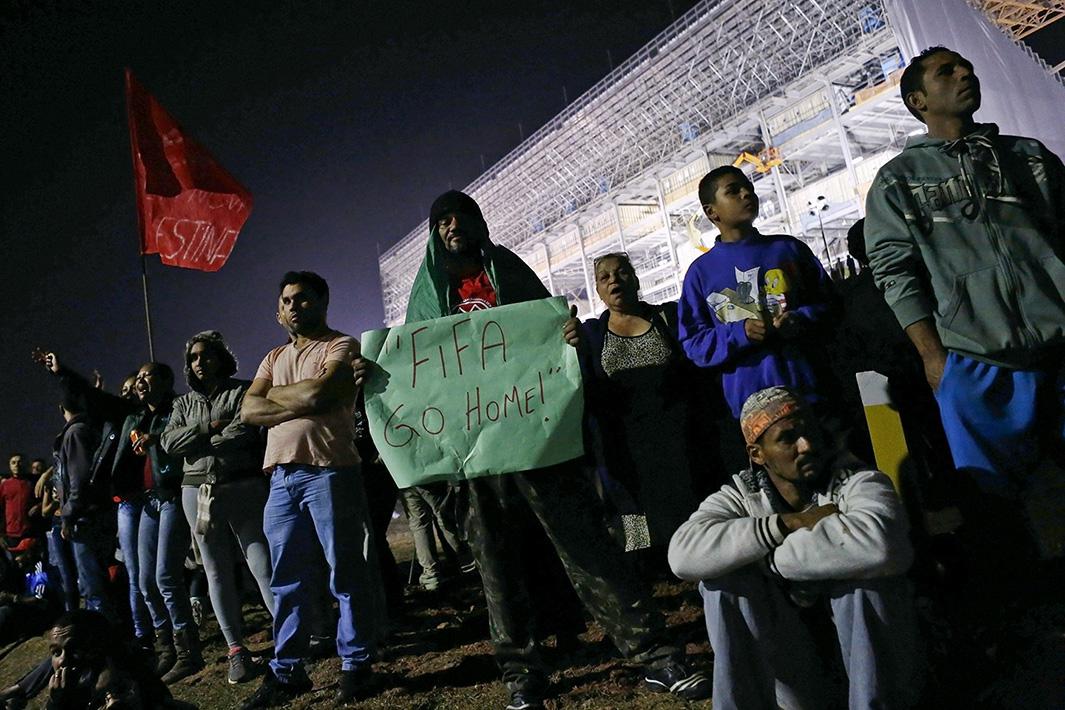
(800, 93)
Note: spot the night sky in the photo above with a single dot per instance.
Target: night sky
(344, 120)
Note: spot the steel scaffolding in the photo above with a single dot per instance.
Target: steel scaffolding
(812, 83)
(1021, 19)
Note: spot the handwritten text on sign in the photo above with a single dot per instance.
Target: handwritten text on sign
(475, 394)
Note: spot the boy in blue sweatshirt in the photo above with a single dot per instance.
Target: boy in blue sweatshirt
(754, 306)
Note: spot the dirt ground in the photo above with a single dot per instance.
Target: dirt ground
(439, 658)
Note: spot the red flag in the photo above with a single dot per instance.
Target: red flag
(190, 209)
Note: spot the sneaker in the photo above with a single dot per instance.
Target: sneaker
(352, 684)
(197, 610)
(467, 565)
(240, 666)
(679, 680)
(525, 700)
(273, 692)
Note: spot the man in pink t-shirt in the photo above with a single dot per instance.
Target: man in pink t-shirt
(304, 392)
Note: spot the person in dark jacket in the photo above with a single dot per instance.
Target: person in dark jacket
(28, 598)
(124, 479)
(91, 669)
(870, 338)
(636, 383)
(462, 271)
(381, 496)
(60, 550)
(163, 535)
(87, 515)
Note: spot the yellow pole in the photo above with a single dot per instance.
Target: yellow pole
(885, 425)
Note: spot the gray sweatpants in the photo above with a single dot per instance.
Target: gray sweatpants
(237, 528)
(430, 508)
(764, 656)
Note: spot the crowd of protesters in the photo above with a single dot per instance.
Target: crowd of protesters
(735, 396)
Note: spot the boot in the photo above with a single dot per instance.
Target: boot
(165, 654)
(189, 658)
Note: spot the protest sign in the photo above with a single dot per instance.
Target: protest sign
(474, 394)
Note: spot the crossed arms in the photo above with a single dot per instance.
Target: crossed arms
(865, 536)
(268, 405)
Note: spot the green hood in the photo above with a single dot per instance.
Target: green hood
(431, 296)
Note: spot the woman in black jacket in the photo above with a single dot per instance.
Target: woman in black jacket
(637, 392)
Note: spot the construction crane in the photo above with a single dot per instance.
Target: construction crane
(765, 161)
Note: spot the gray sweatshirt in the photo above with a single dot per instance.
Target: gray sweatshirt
(739, 526)
(972, 233)
(234, 452)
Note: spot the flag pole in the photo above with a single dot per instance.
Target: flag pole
(140, 219)
(164, 189)
(147, 309)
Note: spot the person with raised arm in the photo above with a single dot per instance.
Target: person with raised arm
(123, 479)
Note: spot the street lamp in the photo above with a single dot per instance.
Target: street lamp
(815, 211)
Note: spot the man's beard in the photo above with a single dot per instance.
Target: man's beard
(304, 327)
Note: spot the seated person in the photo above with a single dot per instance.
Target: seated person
(90, 668)
(804, 526)
(27, 598)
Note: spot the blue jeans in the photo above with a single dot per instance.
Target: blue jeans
(764, 656)
(129, 521)
(311, 507)
(61, 558)
(92, 543)
(163, 540)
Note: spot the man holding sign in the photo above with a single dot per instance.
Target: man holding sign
(464, 272)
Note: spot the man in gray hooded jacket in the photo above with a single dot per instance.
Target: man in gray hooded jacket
(966, 238)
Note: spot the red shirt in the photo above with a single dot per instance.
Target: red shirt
(475, 293)
(149, 481)
(17, 497)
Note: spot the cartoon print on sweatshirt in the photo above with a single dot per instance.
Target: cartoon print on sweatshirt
(741, 303)
(747, 300)
(776, 292)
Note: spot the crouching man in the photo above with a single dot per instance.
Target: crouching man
(804, 527)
